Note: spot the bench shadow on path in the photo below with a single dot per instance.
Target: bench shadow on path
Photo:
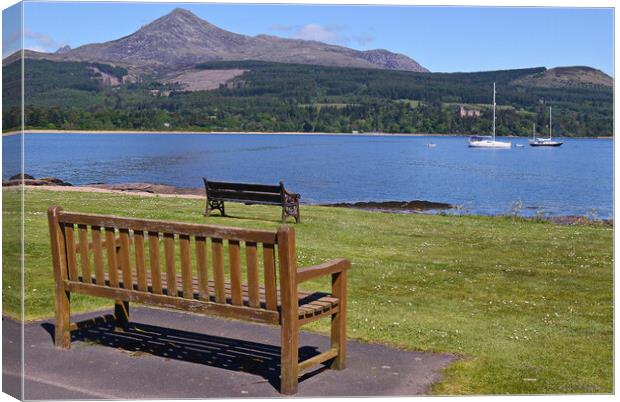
(224, 353)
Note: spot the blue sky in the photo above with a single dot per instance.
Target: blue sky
(11, 29)
(443, 39)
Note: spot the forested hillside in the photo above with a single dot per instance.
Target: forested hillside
(289, 97)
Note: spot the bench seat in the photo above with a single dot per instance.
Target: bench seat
(311, 305)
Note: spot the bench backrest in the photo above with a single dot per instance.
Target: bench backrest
(245, 191)
(212, 264)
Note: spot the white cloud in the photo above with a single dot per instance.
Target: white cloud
(332, 33)
(322, 33)
(41, 42)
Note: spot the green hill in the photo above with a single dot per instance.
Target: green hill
(294, 97)
(563, 77)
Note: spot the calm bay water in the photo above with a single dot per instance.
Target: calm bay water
(575, 179)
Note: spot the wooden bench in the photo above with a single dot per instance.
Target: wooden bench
(217, 192)
(120, 258)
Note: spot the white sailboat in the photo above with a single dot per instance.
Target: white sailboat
(479, 141)
(544, 142)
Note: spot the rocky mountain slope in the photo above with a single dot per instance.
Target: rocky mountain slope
(180, 39)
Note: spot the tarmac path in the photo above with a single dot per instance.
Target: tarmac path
(168, 354)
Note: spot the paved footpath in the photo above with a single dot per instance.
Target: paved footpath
(167, 354)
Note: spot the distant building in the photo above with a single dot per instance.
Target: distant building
(464, 112)
(157, 92)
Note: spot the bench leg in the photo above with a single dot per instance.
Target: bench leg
(290, 210)
(121, 314)
(339, 320)
(213, 205)
(289, 358)
(297, 217)
(62, 324)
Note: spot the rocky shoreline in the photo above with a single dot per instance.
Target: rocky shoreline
(415, 206)
(28, 180)
(394, 206)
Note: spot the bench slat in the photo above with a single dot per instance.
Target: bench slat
(155, 262)
(252, 271)
(235, 272)
(110, 245)
(138, 240)
(84, 257)
(149, 225)
(218, 270)
(250, 201)
(243, 196)
(124, 257)
(269, 271)
(203, 272)
(186, 266)
(171, 276)
(262, 188)
(71, 255)
(95, 232)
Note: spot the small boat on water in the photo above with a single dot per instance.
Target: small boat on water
(431, 145)
(544, 142)
(479, 141)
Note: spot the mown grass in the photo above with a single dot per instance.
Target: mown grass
(527, 305)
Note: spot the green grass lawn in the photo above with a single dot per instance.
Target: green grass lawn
(527, 305)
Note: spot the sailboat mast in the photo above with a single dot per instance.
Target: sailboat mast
(549, 122)
(493, 111)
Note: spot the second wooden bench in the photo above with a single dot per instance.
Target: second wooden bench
(218, 191)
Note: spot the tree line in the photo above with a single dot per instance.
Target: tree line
(285, 97)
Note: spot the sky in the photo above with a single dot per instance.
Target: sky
(442, 39)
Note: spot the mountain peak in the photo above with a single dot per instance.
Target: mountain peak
(63, 49)
(181, 39)
(181, 11)
(181, 14)
(177, 18)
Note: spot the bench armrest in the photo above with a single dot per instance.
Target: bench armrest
(329, 267)
(294, 196)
